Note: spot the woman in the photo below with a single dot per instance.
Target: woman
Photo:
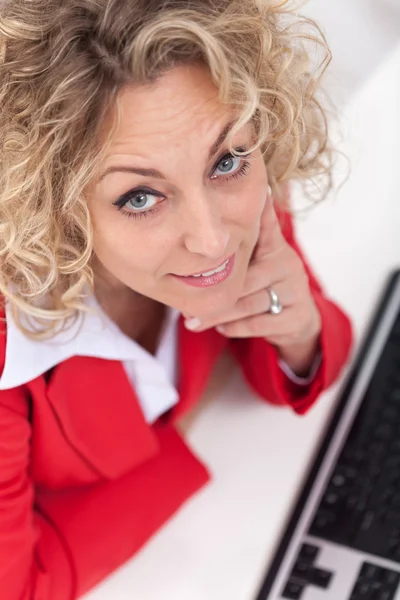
(146, 150)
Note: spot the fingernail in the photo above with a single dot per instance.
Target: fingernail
(220, 329)
(192, 324)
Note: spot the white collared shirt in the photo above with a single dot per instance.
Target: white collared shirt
(154, 378)
(95, 334)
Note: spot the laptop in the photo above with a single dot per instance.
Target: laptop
(342, 541)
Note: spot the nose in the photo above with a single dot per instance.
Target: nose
(204, 230)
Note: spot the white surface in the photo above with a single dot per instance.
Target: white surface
(361, 34)
(219, 544)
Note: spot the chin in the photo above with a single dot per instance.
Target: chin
(214, 304)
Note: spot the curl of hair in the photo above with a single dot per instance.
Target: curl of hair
(62, 65)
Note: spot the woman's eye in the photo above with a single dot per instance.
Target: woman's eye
(228, 165)
(139, 201)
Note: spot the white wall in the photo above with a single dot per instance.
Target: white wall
(361, 33)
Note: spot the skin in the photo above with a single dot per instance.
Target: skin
(204, 211)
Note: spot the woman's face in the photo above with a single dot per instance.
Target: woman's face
(171, 201)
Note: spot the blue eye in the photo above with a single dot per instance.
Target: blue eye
(228, 165)
(139, 202)
(232, 166)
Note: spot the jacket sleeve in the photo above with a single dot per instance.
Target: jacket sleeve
(259, 360)
(55, 545)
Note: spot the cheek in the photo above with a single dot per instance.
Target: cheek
(115, 241)
(256, 188)
(249, 205)
(123, 246)
(109, 237)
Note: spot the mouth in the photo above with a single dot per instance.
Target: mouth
(212, 276)
(210, 272)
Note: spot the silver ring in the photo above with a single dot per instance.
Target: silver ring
(276, 307)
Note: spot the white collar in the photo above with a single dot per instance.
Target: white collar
(27, 358)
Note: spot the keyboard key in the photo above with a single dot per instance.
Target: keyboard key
(389, 413)
(350, 472)
(323, 523)
(377, 595)
(377, 449)
(386, 595)
(367, 521)
(395, 395)
(320, 578)
(308, 553)
(301, 570)
(390, 578)
(338, 480)
(376, 586)
(384, 432)
(351, 502)
(369, 571)
(363, 590)
(331, 499)
(293, 591)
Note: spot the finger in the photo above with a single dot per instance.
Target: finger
(259, 303)
(250, 305)
(264, 325)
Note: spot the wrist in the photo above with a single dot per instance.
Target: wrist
(300, 358)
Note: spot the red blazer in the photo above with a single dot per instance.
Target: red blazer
(85, 481)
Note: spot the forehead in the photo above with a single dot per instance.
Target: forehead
(181, 105)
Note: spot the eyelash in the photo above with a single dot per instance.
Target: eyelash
(121, 202)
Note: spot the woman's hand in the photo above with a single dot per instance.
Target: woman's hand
(274, 265)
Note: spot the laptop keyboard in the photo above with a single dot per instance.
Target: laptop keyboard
(360, 507)
(342, 541)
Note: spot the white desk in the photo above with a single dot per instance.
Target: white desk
(219, 544)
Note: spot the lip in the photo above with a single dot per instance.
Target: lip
(207, 269)
(211, 279)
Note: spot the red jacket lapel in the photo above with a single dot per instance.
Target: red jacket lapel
(100, 414)
(197, 354)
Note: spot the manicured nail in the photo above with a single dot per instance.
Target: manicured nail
(192, 324)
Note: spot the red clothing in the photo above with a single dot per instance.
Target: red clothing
(85, 481)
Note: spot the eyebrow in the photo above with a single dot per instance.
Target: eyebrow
(154, 174)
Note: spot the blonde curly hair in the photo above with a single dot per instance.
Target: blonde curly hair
(62, 65)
